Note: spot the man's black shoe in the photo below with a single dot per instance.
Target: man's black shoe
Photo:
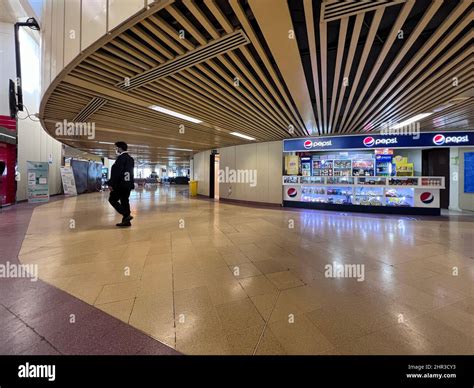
(127, 219)
(124, 224)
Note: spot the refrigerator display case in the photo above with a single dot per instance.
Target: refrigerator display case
(343, 167)
(383, 165)
(306, 166)
(368, 196)
(394, 195)
(322, 167)
(399, 197)
(363, 167)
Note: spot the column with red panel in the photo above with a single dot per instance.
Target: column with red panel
(8, 157)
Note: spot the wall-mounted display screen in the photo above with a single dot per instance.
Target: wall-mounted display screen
(469, 172)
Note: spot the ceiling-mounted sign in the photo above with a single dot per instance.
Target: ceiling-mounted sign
(421, 140)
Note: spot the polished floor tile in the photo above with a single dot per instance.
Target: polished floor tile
(216, 278)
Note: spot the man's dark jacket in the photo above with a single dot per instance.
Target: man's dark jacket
(121, 176)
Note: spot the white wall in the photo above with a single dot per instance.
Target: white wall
(454, 179)
(34, 144)
(7, 65)
(265, 158)
(201, 172)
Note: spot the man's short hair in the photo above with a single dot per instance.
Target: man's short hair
(122, 145)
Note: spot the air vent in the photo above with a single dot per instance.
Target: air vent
(203, 53)
(335, 9)
(93, 106)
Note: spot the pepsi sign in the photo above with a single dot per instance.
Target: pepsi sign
(370, 141)
(440, 139)
(421, 140)
(309, 144)
(292, 192)
(426, 198)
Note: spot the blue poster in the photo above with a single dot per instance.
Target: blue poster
(469, 172)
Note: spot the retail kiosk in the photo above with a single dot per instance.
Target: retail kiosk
(364, 173)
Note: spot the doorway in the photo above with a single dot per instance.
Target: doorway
(435, 162)
(214, 163)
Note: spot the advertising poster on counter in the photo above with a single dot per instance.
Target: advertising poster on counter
(69, 183)
(38, 185)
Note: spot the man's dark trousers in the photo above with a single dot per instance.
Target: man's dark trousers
(119, 200)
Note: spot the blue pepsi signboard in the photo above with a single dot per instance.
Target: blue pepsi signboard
(430, 139)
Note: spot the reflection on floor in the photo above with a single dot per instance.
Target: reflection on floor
(215, 278)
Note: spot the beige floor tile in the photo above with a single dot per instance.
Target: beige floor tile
(265, 304)
(230, 292)
(244, 343)
(239, 315)
(120, 310)
(337, 327)
(456, 318)
(192, 299)
(269, 345)
(117, 292)
(284, 280)
(185, 294)
(399, 339)
(233, 259)
(244, 270)
(188, 280)
(257, 285)
(300, 336)
(269, 266)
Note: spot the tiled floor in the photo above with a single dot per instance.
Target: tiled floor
(217, 278)
(38, 319)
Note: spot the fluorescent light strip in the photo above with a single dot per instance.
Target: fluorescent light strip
(179, 149)
(11, 137)
(105, 142)
(414, 119)
(174, 114)
(242, 136)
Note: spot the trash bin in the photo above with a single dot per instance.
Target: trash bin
(193, 188)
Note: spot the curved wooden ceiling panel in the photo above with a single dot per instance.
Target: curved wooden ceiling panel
(344, 67)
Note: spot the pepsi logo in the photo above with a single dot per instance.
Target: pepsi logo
(426, 198)
(308, 144)
(292, 192)
(439, 139)
(369, 141)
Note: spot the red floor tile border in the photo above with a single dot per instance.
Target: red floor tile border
(35, 317)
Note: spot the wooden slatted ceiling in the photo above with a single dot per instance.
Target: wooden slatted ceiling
(390, 79)
(358, 74)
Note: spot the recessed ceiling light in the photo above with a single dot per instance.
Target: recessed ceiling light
(242, 136)
(174, 114)
(179, 149)
(414, 119)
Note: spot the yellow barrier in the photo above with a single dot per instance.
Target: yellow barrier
(193, 188)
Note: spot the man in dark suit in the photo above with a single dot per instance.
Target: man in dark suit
(121, 183)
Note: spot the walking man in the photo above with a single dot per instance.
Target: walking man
(121, 183)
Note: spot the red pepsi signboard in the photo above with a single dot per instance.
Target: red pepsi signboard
(420, 140)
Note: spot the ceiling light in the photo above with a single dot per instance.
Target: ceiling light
(414, 119)
(105, 142)
(3, 134)
(174, 114)
(178, 149)
(242, 136)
